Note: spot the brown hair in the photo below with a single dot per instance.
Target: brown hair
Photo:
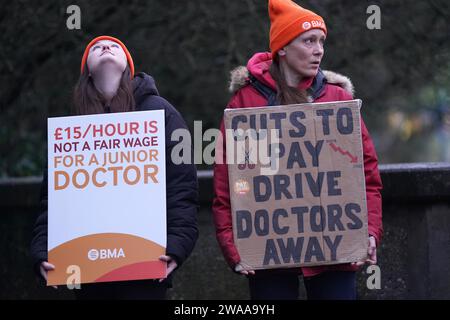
(88, 100)
(285, 93)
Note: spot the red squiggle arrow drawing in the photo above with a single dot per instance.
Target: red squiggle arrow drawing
(343, 152)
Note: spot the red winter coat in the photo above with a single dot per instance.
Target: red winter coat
(336, 88)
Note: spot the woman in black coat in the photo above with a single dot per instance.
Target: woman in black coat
(113, 87)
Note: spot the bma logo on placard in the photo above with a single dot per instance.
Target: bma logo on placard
(103, 254)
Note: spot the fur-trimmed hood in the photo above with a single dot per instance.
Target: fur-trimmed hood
(259, 65)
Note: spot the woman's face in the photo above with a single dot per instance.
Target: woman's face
(106, 53)
(303, 55)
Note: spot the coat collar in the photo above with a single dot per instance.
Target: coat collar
(240, 75)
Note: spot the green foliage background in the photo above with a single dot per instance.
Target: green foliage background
(189, 47)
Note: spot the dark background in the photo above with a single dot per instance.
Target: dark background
(401, 72)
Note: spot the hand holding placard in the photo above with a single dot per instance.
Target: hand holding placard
(44, 268)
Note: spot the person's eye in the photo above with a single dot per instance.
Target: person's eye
(308, 41)
(115, 45)
(95, 47)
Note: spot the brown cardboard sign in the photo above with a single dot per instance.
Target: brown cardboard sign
(297, 186)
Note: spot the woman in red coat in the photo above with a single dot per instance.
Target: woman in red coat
(290, 74)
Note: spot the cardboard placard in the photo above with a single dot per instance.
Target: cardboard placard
(297, 184)
(106, 197)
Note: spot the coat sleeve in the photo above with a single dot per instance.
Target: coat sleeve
(221, 204)
(373, 181)
(182, 193)
(373, 186)
(38, 246)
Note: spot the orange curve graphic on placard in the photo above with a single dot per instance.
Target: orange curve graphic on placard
(106, 257)
(141, 270)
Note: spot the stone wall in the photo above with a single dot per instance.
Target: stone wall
(414, 257)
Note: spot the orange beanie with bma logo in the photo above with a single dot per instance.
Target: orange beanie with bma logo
(288, 20)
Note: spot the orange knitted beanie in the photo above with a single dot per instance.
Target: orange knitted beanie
(289, 20)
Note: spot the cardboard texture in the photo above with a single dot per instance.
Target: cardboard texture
(310, 209)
